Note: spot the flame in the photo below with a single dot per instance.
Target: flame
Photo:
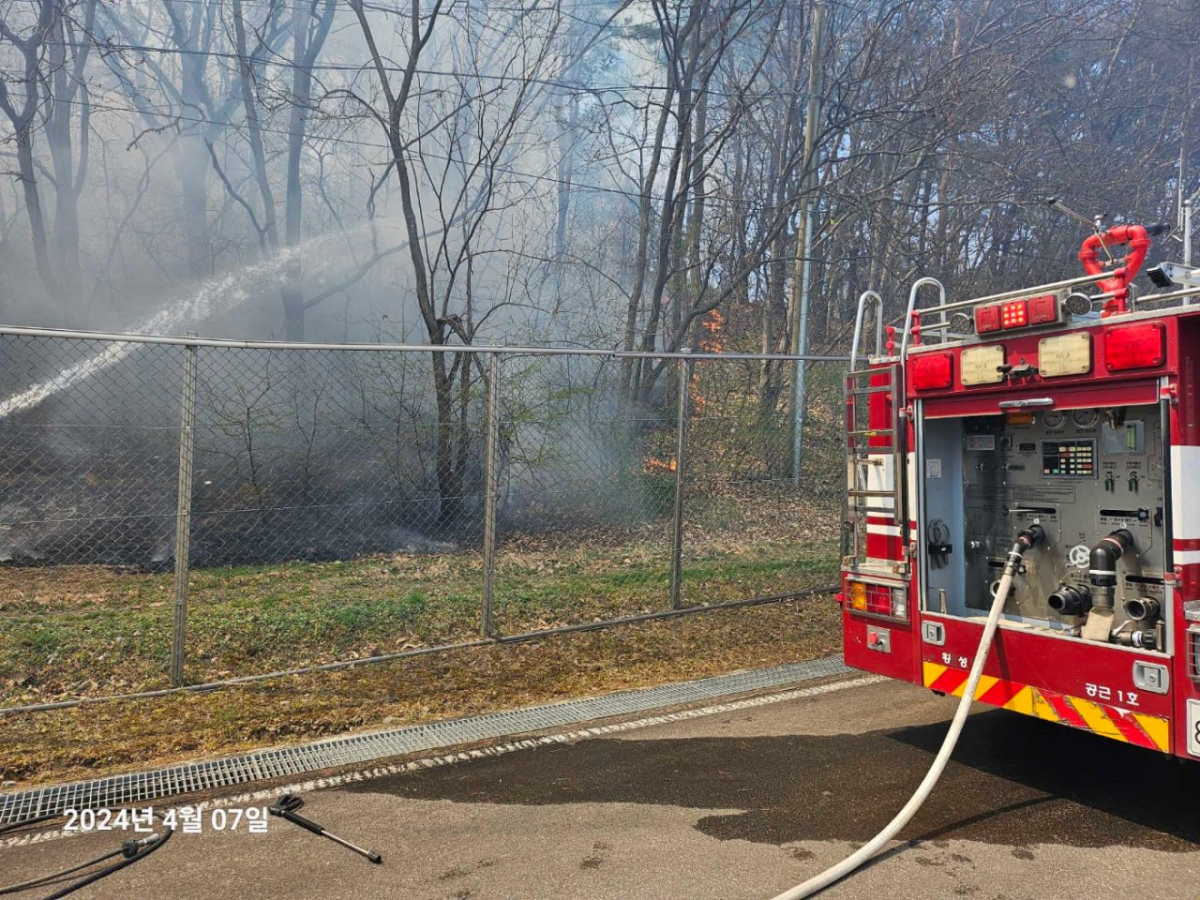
(713, 322)
(652, 465)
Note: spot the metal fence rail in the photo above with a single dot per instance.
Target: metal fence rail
(183, 513)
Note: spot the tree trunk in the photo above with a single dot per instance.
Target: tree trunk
(192, 166)
(565, 168)
(306, 46)
(33, 206)
(62, 160)
(449, 475)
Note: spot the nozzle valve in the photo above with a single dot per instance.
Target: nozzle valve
(1030, 537)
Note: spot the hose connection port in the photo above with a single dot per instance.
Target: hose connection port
(1070, 600)
(1142, 608)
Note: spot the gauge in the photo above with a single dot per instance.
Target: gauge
(1053, 418)
(1086, 418)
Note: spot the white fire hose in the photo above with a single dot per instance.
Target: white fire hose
(1025, 540)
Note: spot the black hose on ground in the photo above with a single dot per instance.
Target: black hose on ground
(25, 823)
(133, 850)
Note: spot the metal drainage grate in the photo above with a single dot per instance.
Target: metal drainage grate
(142, 787)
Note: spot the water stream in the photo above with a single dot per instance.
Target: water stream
(218, 294)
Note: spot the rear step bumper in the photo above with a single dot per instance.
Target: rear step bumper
(1059, 679)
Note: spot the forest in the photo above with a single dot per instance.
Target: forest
(576, 172)
(639, 175)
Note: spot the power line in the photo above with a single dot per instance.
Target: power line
(369, 67)
(276, 60)
(242, 127)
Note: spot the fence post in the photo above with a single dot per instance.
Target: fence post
(681, 436)
(183, 511)
(490, 492)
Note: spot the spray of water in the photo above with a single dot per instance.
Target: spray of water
(219, 294)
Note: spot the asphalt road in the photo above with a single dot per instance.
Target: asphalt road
(736, 805)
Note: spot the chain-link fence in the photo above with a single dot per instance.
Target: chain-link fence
(180, 513)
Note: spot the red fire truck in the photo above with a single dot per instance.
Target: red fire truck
(1068, 411)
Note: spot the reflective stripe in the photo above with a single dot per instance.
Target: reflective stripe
(1108, 721)
(1185, 475)
(1158, 730)
(1095, 717)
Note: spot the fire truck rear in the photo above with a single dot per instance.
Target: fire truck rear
(1069, 411)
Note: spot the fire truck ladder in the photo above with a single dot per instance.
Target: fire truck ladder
(869, 482)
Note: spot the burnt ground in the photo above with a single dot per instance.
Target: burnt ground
(792, 787)
(740, 804)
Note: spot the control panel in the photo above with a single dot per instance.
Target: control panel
(1065, 458)
(1082, 475)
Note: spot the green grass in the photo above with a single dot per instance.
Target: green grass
(77, 631)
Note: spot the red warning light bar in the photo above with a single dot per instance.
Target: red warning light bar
(1014, 314)
(987, 318)
(932, 372)
(1017, 314)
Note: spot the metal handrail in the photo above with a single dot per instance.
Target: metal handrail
(1036, 289)
(912, 303)
(1022, 292)
(864, 298)
(1182, 294)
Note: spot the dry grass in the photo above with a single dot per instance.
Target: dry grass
(124, 736)
(92, 631)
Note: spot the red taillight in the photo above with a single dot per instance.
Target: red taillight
(1021, 313)
(933, 372)
(987, 318)
(1134, 346)
(878, 599)
(1014, 314)
(1043, 310)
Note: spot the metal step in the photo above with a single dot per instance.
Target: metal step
(859, 501)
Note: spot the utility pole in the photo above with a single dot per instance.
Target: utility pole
(803, 271)
(1187, 207)
(1183, 206)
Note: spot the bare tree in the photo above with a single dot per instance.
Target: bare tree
(309, 26)
(452, 162)
(50, 96)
